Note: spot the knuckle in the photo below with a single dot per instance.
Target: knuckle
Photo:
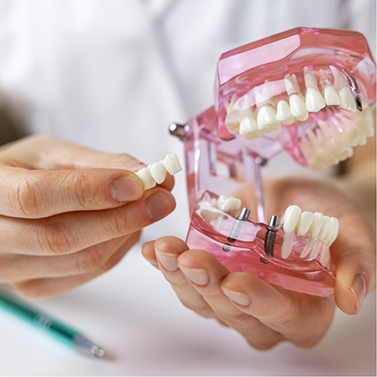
(23, 198)
(119, 224)
(204, 311)
(53, 238)
(239, 321)
(90, 260)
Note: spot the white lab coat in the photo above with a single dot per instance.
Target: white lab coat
(112, 74)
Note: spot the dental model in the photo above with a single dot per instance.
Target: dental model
(156, 173)
(309, 92)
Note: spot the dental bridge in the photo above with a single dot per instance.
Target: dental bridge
(305, 91)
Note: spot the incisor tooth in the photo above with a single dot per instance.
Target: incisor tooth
(314, 101)
(249, 128)
(316, 224)
(158, 172)
(305, 223)
(286, 247)
(146, 176)
(266, 119)
(298, 108)
(307, 247)
(171, 163)
(228, 203)
(291, 218)
(284, 114)
(325, 228)
(331, 96)
(346, 99)
(309, 77)
(331, 236)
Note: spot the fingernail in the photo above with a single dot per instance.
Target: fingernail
(196, 275)
(159, 205)
(124, 189)
(238, 297)
(169, 261)
(359, 289)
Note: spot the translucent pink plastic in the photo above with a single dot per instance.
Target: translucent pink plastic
(219, 162)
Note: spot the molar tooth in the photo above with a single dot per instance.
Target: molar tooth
(331, 96)
(291, 218)
(146, 177)
(228, 203)
(171, 163)
(266, 119)
(249, 128)
(286, 247)
(284, 114)
(298, 108)
(305, 223)
(346, 99)
(158, 172)
(314, 101)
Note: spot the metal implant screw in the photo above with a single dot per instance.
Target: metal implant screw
(181, 131)
(270, 237)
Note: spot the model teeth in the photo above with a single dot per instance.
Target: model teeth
(249, 128)
(284, 114)
(347, 100)
(298, 108)
(314, 101)
(266, 119)
(156, 173)
(331, 96)
(228, 204)
(322, 231)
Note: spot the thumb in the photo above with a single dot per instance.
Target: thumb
(355, 259)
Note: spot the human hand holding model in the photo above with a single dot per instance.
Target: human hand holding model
(265, 315)
(69, 213)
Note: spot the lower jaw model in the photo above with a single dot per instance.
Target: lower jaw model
(308, 92)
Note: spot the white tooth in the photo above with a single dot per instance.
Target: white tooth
(331, 96)
(339, 79)
(171, 163)
(291, 218)
(325, 80)
(325, 228)
(146, 176)
(286, 247)
(316, 248)
(284, 113)
(316, 224)
(228, 203)
(305, 223)
(335, 230)
(314, 101)
(266, 119)
(307, 247)
(249, 128)
(232, 120)
(303, 117)
(298, 108)
(324, 255)
(346, 99)
(158, 172)
(366, 123)
(327, 260)
(229, 106)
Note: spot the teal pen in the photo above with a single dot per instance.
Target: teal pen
(65, 334)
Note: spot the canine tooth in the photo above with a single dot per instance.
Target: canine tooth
(339, 79)
(171, 163)
(266, 119)
(297, 105)
(316, 224)
(291, 218)
(286, 247)
(331, 96)
(284, 114)
(346, 99)
(228, 203)
(249, 128)
(305, 223)
(146, 176)
(158, 172)
(314, 101)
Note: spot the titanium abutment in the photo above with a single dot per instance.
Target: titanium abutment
(236, 228)
(270, 237)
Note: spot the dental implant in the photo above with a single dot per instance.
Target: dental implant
(353, 84)
(236, 228)
(270, 237)
(181, 131)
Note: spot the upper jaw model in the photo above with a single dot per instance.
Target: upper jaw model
(306, 91)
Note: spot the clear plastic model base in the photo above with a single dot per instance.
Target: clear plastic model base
(305, 91)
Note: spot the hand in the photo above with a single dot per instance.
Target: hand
(68, 213)
(265, 315)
